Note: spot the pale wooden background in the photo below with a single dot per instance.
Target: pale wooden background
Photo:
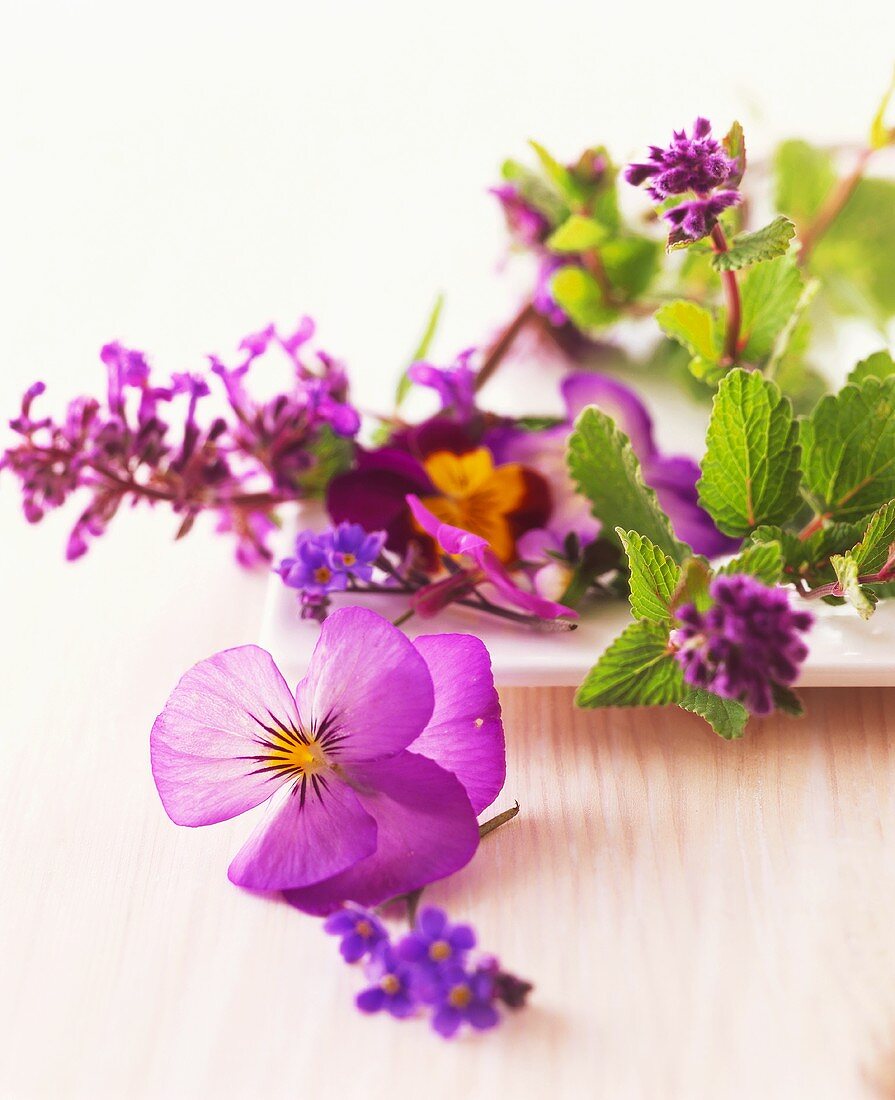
(701, 919)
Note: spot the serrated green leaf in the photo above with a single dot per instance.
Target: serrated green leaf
(578, 293)
(804, 176)
(874, 550)
(693, 586)
(421, 350)
(559, 175)
(636, 670)
(770, 294)
(654, 577)
(879, 365)
(848, 449)
(767, 243)
(727, 717)
(735, 146)
(691, 326)
(750, 472)
(762, 560)
(603, 465)
(786, 361)
(862, 599)
(577, 234)
(631, 263)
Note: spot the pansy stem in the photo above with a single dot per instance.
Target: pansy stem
(499, 819)
(732, 295)
(401, 619)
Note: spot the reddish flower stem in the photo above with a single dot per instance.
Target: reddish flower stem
(734, 306)
(505, 340)
(833, 206)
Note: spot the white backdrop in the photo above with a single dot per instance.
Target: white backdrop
(175, 175)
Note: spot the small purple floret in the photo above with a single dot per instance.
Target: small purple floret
(359, 930)
(392, 988)
(746, 643)
(435, 941)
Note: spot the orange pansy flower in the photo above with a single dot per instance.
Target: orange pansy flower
(476, 495)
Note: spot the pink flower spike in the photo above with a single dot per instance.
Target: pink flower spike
(454, 540)
(372, 779)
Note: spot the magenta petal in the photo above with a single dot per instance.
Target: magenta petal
(453, 540)
(205, 742)
(307, 836)
(465, 734)
(530, 602)
(368, 681)
(427, 830)
(585, 388)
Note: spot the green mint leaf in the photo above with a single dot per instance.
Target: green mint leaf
(636, 670)
(875, 548)
(560, 176)
(577, 234)
(787, 358)
(786, 701)
(882, 135)
(603, 465)
(578, 293)
(862, 599)
(693, 327)
(421, 350)
(770, 294)
(879, 365)
(654, 577)
(804, 176)
(333, 454)
(735, 146)
(752, 248)
(761, 560)
(848, 449)
(750, 472)
(631, 263)
(856, 255)
(693, 586)
(727, 717)
(535, 191)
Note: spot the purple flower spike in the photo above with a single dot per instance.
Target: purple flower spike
(435, 942)
(525, 223)
(455, 385)
(392, 990)
(696, 163)
(361, 932)
(745, 644)
(695, 218)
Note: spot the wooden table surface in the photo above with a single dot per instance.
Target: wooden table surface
(701, 919)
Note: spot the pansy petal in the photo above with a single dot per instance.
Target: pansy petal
(585, 388)
(368, 683)
(453, 540)
(465, 733)
(315, 830)
(205, 744)
(426, 831)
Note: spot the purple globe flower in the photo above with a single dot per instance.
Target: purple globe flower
(392, 988)
(746, 643)
(360, 930)
(696, 163)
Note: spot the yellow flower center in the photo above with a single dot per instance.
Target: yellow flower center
(476, 495)
(439, 951)
(322, 574)
(349, 559)
(364, 929)
(295, 756)
(460, 996)
(390, 984)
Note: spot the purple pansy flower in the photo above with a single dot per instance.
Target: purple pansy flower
(392, 990)
(434, 942)
(673, 477)
(454, 540)
(745, 643)
(375, 768)
(360, 932)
